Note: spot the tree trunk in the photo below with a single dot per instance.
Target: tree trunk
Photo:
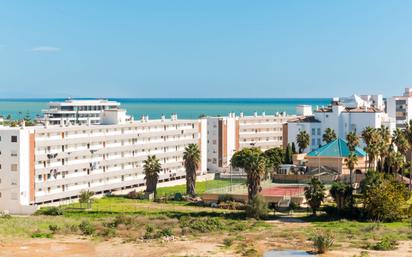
(190, 182)
(253, 182)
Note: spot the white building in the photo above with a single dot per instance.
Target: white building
(231, 133)
(77, 111)
(400, 108)
(45, 164)
(342, 119)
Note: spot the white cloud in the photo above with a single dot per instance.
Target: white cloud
(45, 49)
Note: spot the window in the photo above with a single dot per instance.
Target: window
(13, 167)
(14, 139)
(313, 141)
(318, 131)
(313, 132)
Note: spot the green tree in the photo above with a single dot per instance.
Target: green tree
(254, 163)
(191, 158)
(152, 168)
(329, 135)
(351, 161)
(274, 157)
(383, 199)
(86, 197)
(294, 148)
(288, 155)
(315, 193)
(303, 140)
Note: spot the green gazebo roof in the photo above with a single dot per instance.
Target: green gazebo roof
(336, 148)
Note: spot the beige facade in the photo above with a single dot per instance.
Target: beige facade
(335, 163)
(60, 161)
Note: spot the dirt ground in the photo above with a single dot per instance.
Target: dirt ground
(72, 247)
(200, 246)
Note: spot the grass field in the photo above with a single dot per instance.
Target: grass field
(118, 216)
(201, 187)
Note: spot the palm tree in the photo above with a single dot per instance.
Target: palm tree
(351, 161)
(408, 134)
(396, 160)
(152, 168)
(303, 140)
(191, 156)
(366, 136)
(399, 139)
(384, 145)
(254, 163)
(353, 141)
(314, 194)
(329, 135)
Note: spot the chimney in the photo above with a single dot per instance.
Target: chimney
(163, 117)
(255, 114)
(241, 115)
(263, 114)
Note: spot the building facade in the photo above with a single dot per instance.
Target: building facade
(47, 164)
(339, 117)
(77, 111)
(231, 133)
(400, 108)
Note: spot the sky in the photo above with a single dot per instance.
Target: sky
(207, 49)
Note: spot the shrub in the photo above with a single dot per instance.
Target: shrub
(107, 232)
(202, 225)
(385, 244)
(39, 234)
(228, 242)
(224, 198)
(135, 195)
(232, 205)
(73, 228)
(178, 197)
(5, 216)
(86, 228)
(257, 208)
(166, 232)
(54, 228)
(122, 220)
(322, 241)
(50, 211)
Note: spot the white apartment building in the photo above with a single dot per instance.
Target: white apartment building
(342, 119)
(231, 133)
(45, 164)
(77, 111)
(400, 108)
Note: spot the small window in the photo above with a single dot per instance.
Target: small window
(13, 167)
(14, 139)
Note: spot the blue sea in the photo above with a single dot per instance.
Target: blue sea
(185, 107)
